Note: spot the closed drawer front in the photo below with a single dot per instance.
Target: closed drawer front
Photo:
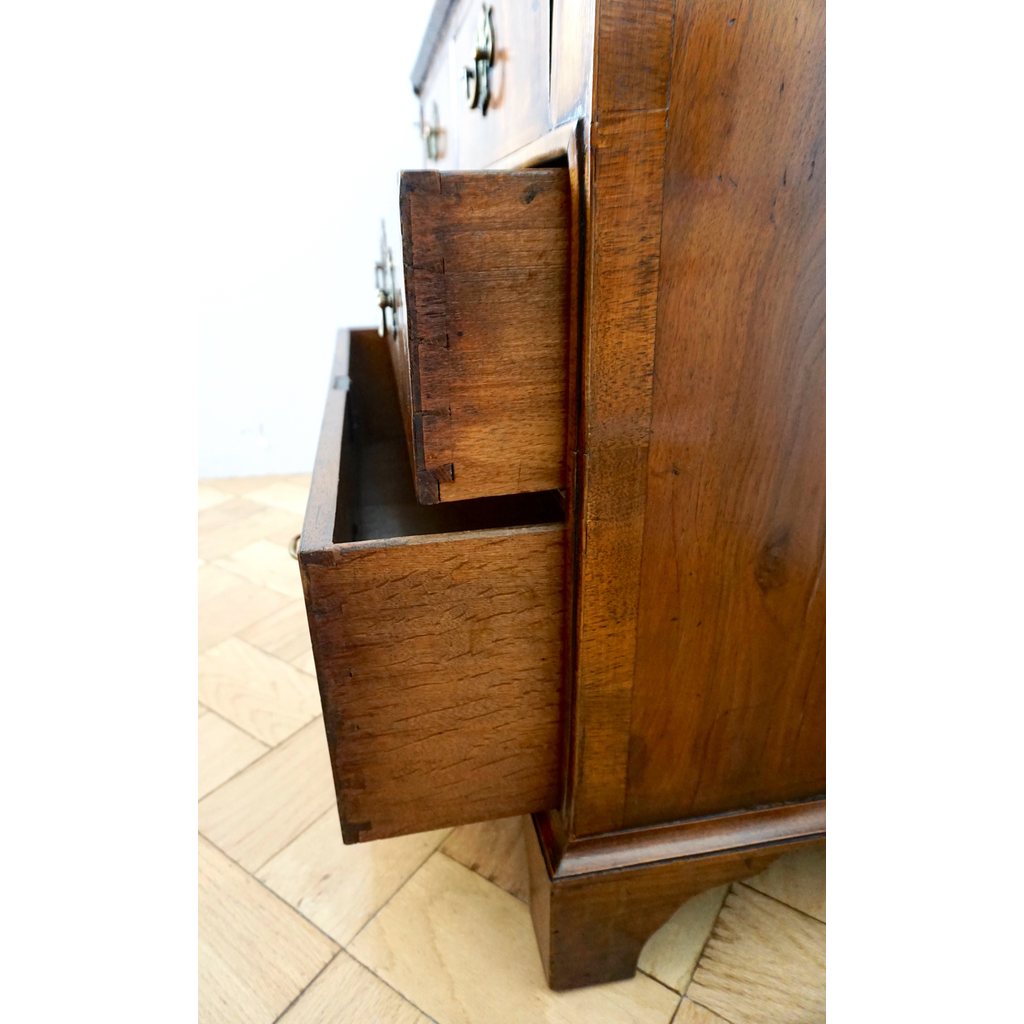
(437, 116)
(481, 351)
(436, 631)
(517, 109)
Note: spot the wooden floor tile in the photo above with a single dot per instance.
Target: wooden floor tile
(256, 954)
(224, 751)
(764, 963)
(672, 952)
(439, 916)
(247, 484)
(261, 810)
(341, 887)
(237, 485)
(213, 581)
(286, 494)
(797, 879)
(210, 496)
(464, 952)
(264, 696)
(284, 634)
(347, 993)
(225, 513)
(691, 1013)
(268, 565)
(226, 608)
(305, 663)
(264, 524)
(495, 850)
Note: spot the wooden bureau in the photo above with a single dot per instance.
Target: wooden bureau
(564, 548)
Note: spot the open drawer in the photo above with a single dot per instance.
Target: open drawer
(436, 630)
(481, 348)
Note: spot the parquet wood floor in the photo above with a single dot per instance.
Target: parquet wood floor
(295, 927)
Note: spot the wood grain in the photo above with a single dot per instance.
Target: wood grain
(798, 880)
(339, 888)
(239, 530)
(690, 1012)
(693, 483)
(322, 506)
(214, 515)
(242, 486)
(289, 494)
(592, 927)
(689, 838)
(764, 963)
(347, 993)
(495, 851)
(632, 57)
(262, 809)
(323, 884)
(672, 952)
(224, 751)
(267, 564)
(438, 640)
(728, 691)
(621, 278)
(449, 710)
(695, 639)
(213, 581)
(255, 953)
(228, 603)
(486, 265)
(261, 694)
(284, 634)
(463, 951)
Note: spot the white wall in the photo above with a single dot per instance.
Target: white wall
(309, 121)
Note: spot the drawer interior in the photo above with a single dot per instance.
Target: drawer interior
(376, 497)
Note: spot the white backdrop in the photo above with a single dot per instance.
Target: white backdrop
(313, 118)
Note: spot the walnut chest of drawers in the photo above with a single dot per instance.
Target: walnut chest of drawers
(564, 548)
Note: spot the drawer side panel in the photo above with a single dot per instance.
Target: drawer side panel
(486, 267)
(440, 672)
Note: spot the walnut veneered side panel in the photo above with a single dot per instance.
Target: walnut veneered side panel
(728, 697)
(486, 262)
(699, 647)
(437, 631)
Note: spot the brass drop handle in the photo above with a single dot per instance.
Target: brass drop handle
(472, 88)
(431, 134)
(293, 546)
(478, 85)
(384, 272)
(385, 297)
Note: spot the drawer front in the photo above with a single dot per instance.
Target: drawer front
(436, 631)
(517, 107)
(517, 111)
(486, 321)
(437, 114)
